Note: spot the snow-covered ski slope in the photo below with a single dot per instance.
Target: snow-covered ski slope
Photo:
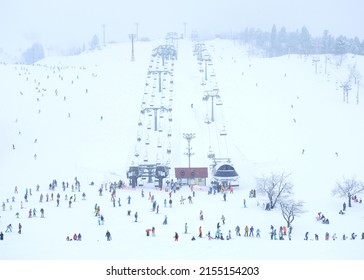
(272, 109)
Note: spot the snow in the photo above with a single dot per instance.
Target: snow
(261, 99)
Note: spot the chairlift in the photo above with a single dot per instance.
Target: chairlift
(157, 161)
(169, 134)
(210, 154)
(223, 132)
(218, 101)
(159, 145)
(147, 141)
(149, 126)
(145, 157)
(170, 117)
(140, 122)
(160, 129)
(207, 120)
(136, 154)
(139, 138)
(213, 74)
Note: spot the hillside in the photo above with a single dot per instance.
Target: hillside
(79, 115)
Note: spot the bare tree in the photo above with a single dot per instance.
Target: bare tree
(348, 188)
(276, 186)
(354, 73)
(291, 209)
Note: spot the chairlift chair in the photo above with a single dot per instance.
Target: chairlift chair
(223, 132)
(218, 101)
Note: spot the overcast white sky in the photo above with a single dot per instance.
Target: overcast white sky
(76, 21)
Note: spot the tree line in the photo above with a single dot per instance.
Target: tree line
(281, 42)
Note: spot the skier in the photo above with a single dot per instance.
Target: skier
(9, 228)
(20, 227)
(1, 236)
(79, 237)
(165, 220)
(176, 236)
(246, 229)
(223, 219)
(201, 215)
(108, 235)
(306, 235)
(129, 198)
(186, 227)
(344, 206)
(258, 232)
(136, 216)
(200, 232)
(237, 230)
(327, 236)
(251, 232)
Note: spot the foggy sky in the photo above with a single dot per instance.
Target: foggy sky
(73, 22)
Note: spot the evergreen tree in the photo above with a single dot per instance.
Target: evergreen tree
(33, 54)
(94, 42)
